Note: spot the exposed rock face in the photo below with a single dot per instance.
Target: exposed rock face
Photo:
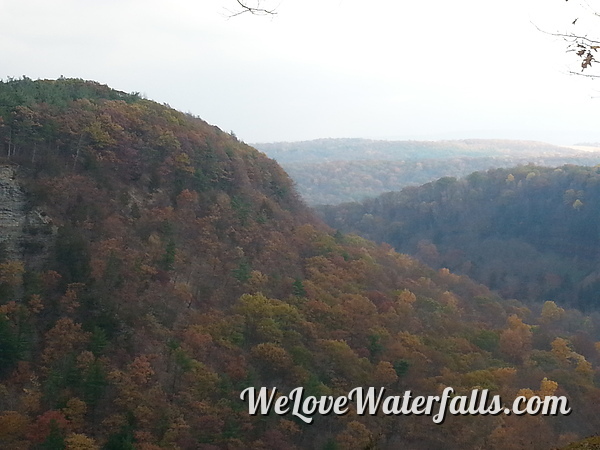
(25, 234)
(12, 213)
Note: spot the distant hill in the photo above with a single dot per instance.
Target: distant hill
(529, 232)
(332, 171)
(377, 150)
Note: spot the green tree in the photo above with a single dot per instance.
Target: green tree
(9, 345)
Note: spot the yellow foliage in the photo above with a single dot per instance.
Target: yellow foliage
(140, 370)
(406, 297)
(384, 374)
(148, 270)
(182, 161)
(515, 341)
(63, 339)
(448, 276)
(144, 416)
(584, 368)
(551, 312)
(12, 425)
(77, 441)
(98, 133)
(11, 273)
(204, 379)
(31, 401)
(75, 411)
(272, 354)
(450, 299)
(562, 350)
(168, 140)
(547, 387)
(527, 393)
(257, 280)
(178, 426)
(68, 302)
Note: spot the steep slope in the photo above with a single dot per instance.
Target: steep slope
(180, 268)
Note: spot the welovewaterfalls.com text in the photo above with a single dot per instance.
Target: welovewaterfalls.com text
(373, 401)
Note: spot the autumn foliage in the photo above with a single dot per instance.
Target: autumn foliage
(179, 267)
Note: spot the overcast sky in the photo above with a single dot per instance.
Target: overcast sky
(382, 69)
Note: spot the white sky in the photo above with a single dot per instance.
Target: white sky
(384, 69)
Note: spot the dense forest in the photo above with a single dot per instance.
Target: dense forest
(333, 171)
(529, 232)
(153, 267)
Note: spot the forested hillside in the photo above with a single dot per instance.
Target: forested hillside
(529, 232)
(333, 171)
(159, 267)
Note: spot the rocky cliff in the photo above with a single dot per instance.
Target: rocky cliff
(25, 234)
(12, 213)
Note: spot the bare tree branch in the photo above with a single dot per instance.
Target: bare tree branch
(584, 47)
(588, 75)
(257, 9)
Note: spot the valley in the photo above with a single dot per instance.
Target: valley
(179, 267)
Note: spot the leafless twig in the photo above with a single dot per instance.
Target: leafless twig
(584, 47)
(257, 10)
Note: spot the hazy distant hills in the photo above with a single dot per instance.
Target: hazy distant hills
(332, 171)
(368, 149)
